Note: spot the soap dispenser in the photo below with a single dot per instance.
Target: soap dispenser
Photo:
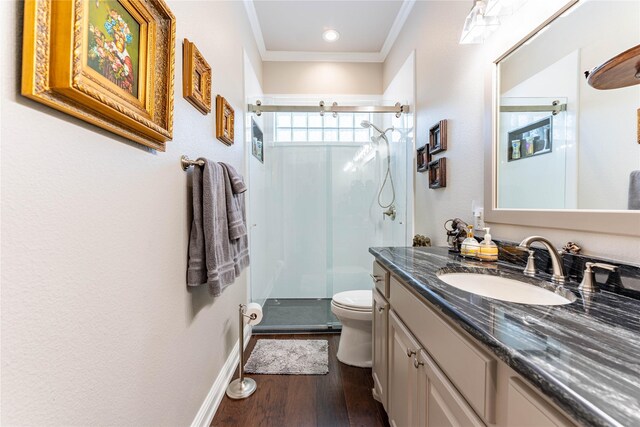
(470, 246)
(488, 250)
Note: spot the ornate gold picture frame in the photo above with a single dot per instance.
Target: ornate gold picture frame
(196, 78)
(107, 62)
(224, 120)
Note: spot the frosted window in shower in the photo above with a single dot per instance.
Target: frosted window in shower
(345, 121)
(283, 120)
(299, 120)
(315, 135)
(330, 135)
(346, 135)
(299, 134)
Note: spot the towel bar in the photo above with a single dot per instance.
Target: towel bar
(186, 162)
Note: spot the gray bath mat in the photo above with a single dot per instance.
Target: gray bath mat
(289, 357)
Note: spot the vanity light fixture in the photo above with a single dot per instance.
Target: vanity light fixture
(330, 35)
(478, 26)
(484, 18)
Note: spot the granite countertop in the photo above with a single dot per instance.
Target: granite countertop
(585, 356)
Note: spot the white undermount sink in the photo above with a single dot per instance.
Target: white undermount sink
(505, 289)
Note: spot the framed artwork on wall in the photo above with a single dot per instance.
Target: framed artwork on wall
(107, 62)
(422, 159)
(438, 137)
(438, 173)
(257, 141)
(196, 78)
(224, 120)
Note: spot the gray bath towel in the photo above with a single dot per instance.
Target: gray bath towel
(236, 213)
(634, 190)
(211, 254)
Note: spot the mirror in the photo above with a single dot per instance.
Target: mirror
(560, 143)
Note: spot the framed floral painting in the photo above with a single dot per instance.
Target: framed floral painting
(108, 62)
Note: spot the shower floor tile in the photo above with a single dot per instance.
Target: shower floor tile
(297, 314)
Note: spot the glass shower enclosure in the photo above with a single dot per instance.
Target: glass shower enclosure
(314, 211)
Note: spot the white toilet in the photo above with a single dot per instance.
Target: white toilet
(353, 309)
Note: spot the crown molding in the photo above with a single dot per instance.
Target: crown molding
(292, 56)
(398, 23)
(301, 56)
(254, 22)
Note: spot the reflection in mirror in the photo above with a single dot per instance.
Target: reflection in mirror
(561, 143)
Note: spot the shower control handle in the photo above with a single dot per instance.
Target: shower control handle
(376, 279)
(410, 352)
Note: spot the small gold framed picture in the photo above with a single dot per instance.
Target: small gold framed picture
(107, 62)
(196, 78)
(224, 120)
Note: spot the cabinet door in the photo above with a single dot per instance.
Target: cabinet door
(439, 403)
(402, 385)
(380, 348)
(527, 409)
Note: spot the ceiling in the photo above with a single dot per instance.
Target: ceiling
(287, 30)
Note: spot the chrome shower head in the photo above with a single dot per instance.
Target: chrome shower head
(367, 124)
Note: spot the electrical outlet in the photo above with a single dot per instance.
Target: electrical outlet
(478, 219)
(477, 210)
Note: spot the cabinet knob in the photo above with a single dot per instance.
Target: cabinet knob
(417, 363)
(410, 352)
(376, 279)
(380, 309)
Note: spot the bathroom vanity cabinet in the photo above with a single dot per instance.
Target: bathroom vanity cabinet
(429, 372)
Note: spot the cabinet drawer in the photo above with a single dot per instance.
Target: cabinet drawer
(471, 369)
(527, 409)
(381, 279)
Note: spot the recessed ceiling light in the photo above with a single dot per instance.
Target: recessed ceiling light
(330, 35)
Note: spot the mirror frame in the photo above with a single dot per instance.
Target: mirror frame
(599, 221)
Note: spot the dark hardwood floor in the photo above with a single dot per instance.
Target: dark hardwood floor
(340, 398)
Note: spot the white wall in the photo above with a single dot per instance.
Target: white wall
(451, 84)
(402, 89)
(345, 78)
(448, 86)
(98, 326)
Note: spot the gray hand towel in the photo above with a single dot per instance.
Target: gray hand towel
(237, 182)
(233, 182)
(211, 254)
(634, 190)
(235, 188)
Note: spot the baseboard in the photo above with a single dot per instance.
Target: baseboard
(216, 393)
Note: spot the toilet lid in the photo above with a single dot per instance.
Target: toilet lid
(355, 299)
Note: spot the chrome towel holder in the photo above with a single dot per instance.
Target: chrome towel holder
(186, 162)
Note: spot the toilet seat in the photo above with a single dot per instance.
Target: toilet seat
(354, 300)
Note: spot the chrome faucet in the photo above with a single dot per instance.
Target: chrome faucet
(589, 283)
(556, 259)
(391, 213)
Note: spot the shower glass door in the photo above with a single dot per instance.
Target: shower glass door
(315, 213)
